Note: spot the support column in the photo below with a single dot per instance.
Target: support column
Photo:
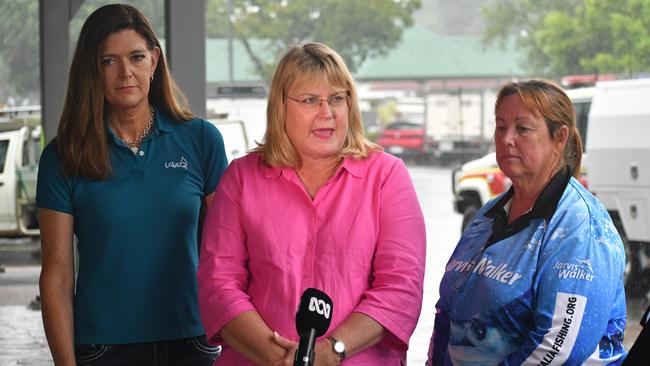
(54, 29)
(54, 49)
(185, 48)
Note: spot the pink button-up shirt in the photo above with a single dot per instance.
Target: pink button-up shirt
(361, 240)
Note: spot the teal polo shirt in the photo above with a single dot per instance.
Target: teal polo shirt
(137, 232)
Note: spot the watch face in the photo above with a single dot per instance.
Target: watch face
(339, 347)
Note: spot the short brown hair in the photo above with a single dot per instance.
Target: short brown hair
(82, 140)
(551, 102)
(300, 64)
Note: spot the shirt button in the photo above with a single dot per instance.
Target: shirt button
(141, 153)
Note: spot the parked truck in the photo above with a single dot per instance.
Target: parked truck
(459, 124)
(446, 125)
(618, 143)
(19, 153)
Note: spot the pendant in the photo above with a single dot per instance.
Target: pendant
(134, 149)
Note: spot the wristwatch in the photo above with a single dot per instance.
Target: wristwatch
(338, 347)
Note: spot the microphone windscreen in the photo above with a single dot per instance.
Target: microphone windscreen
(314, 311)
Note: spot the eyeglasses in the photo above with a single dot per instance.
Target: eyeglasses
(335, 100)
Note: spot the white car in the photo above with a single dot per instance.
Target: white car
(19, 152)
(475, 183)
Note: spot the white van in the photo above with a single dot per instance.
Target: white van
(618, 143)
(19, 152)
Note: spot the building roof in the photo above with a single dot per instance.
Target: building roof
(424, 55)
(420, 55)
(216, 53)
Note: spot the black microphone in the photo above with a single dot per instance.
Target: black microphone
(312, 320)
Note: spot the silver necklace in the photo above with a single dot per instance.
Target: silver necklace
(135, 144)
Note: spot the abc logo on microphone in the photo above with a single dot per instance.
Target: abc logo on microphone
(312, 320)
(314, 311)
(320, 306)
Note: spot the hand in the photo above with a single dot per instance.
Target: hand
(325, 355)
(290, 347)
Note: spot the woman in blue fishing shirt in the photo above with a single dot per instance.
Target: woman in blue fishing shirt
(537, 276)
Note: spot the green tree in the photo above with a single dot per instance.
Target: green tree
(19, 40)
(560, 37)
(357, 30)
(387, 112)
(154, 10)
(19, 47)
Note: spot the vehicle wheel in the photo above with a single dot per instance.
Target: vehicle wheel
(634, 286)
(632, 274)
(635, 276)
(423, 159)
(468, 215)
(29, 216)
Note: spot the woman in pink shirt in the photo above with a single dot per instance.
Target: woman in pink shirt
(315, 205)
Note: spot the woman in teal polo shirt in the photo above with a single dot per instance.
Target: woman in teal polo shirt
(128, 174)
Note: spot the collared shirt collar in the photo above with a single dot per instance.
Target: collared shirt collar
(161, 123)
(354, 166)
(544, 207)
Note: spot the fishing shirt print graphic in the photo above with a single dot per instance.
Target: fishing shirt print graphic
(546, 295)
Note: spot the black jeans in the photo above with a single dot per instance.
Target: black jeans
(179, 352)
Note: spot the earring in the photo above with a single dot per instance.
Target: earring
(151, 78)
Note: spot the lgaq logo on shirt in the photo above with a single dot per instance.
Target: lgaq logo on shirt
(180, 164)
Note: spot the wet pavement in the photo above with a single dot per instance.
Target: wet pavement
(22, 339)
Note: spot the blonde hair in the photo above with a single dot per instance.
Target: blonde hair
(82, 139)
(305, 63)
(551, 102)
